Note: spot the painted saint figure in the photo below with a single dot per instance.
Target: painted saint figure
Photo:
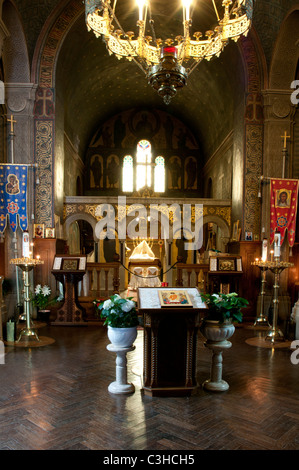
(282, 200)
(191, 173)
(96, 168)
(113, 172)
(175, 171)
(12, 187)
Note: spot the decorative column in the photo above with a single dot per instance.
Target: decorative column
(253, 137)
(44, 155)
(120, 385)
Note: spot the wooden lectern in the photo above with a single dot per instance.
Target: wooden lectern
(70, 270)
(224, 273)
(170, 339)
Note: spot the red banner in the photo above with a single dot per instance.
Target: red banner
(284, 195)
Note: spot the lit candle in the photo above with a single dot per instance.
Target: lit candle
(140, 5)
(187, 4)
(271, 253)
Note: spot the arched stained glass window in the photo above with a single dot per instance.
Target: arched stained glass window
(159, 175)
(128, 175)
(143, 164)
(145, 176)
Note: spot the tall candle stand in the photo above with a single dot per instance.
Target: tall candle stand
(261, 319)
(275, 334)
(26, 265)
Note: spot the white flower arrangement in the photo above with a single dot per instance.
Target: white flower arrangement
(41, 296)
(118, 312)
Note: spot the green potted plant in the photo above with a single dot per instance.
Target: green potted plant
(223, 310)
(120, 316)
(224, 307)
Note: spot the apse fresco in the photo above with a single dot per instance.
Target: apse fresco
(117, 139)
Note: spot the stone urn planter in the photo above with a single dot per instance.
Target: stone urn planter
(122, 337)
(216, 332)
(217, 335)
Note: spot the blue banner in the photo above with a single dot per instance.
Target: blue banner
(13, 196)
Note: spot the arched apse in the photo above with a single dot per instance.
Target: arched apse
(75, 217)
(225, 229)
(15, 53)
(286, 53)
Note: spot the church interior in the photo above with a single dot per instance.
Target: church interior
(122, 175)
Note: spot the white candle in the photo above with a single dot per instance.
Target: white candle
(265, 249)
(187, 9)
(277, 238)
(26, 245)
(140, 5)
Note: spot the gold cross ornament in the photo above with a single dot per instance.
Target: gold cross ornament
(285, 137)
(11, 120)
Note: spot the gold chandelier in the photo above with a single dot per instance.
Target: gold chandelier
(162, 60)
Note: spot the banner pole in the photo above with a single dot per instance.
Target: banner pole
(15, 240)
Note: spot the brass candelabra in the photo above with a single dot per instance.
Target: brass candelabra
(26, 265)
(261, 319)
(276, 266)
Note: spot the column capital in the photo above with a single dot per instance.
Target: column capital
(20, 97)
(278, 105)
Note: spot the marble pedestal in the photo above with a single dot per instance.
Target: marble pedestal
(120, 385)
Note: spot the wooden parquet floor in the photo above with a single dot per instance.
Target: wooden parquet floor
(55, 398)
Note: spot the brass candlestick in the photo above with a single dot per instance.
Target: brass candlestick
(26, 265)
(276, 266)
(261, 319)
(275, 334)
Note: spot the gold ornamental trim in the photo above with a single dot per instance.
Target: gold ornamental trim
(224, 212)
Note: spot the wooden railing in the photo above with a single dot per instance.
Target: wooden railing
(101, 280)
(192, 275)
